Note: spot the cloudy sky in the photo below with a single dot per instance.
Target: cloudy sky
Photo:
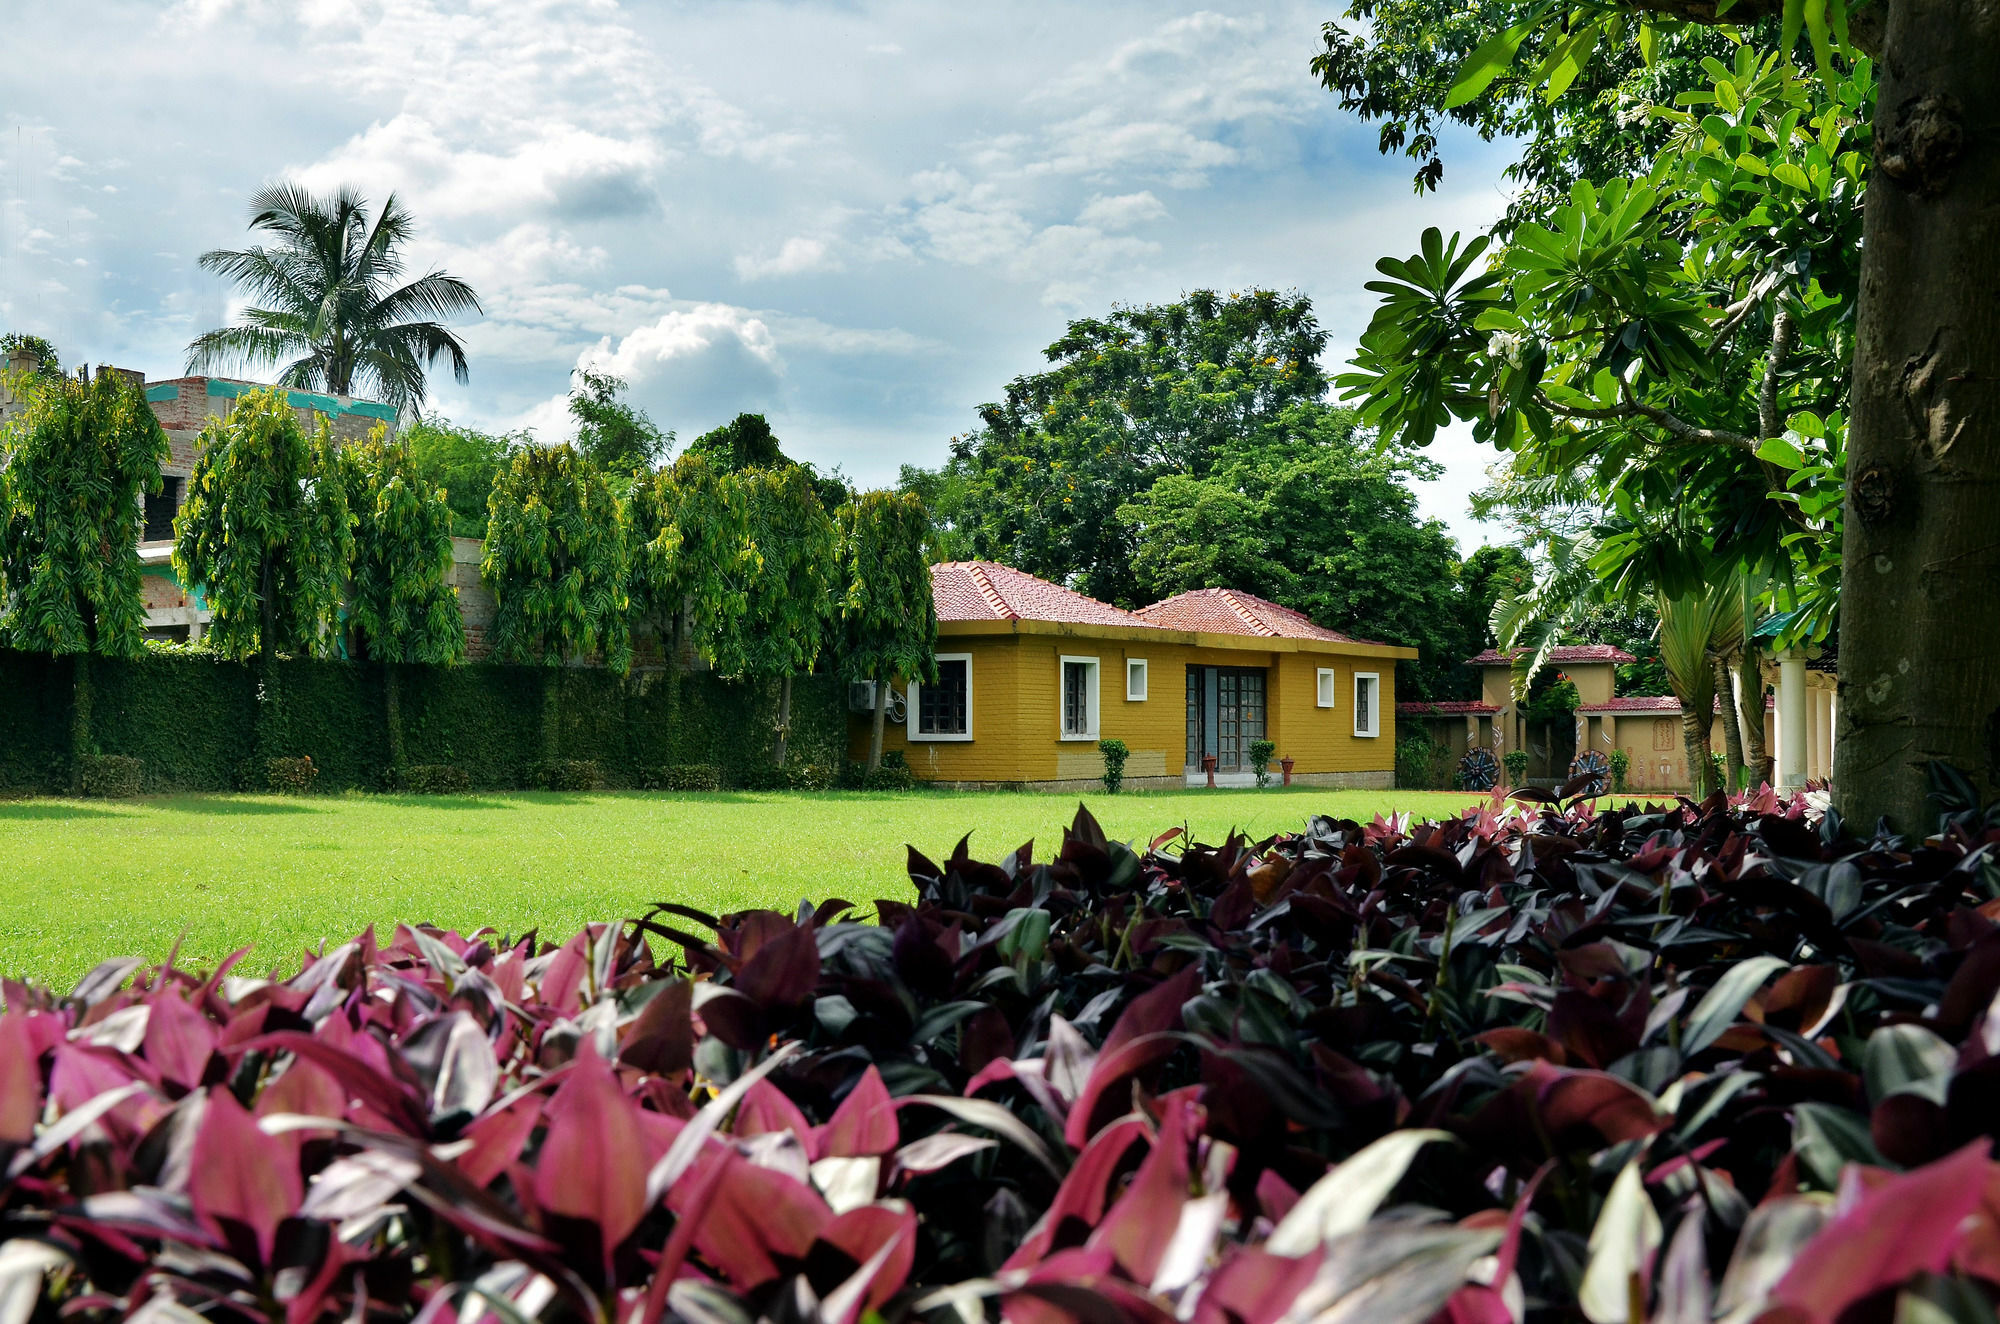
(859, 218)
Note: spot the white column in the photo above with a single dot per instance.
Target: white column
(1791, 720)
(1832, 727)
(1825, 742)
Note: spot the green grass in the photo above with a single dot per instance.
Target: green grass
(85, 880)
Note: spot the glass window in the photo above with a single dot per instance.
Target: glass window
(1079, 698)
(944, 707)
(161, 507)
(1326, 687)
(1135, 679)
(1366, 687)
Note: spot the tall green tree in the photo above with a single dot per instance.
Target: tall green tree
(888, 620)
(613, 433)
(747, 442)
(401, 605)
(464, 462)
(1309, 513)
(332, 310)
(690, 552)
(72, 467)
(1924, 490)
(266, 531)
(793, 557)
(556, 561)
(1128, 399)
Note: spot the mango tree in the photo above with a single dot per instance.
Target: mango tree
(71, 471)
(888, 622)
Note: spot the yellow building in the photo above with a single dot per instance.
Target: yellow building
(1032, 675)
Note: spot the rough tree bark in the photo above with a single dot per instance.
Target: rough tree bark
(1919, 638)
(79, 719)
(784, 721)
(881, 717)
(1756, 751)
(1732, 734)
(1694, 740)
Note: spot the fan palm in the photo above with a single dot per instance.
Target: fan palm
(331, 309)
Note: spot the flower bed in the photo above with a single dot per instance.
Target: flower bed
(1663, 1064)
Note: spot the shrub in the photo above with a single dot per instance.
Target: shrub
(565, 775)
(1422, 764)
(1718, 772)
(112, 776)
(434, 779)
(894, 774)
(1621, 769)
(290, 776)
(1229, 1033)
(1115, 753)
(683, 777)
(1261, 752)
(1517, 766)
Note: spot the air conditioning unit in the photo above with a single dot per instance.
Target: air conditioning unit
(861, 699)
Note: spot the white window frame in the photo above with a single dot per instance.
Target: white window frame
(1135, 666)
(1372, 710)
(1326, 688)
(1063, 664)
(911, 700)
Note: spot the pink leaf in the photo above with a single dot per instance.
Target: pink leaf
(1137, 1228)
(765, 1109)
(240, 1175)
(20, 1081)
(864, 1124)
(1907, 1224)
(593, 1159)
(1084, 1193)
(179, 1040)
(861, 1233)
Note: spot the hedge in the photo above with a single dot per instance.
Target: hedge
(197, 723)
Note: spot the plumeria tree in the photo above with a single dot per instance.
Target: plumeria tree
(265, 530)
(72, 467)
(888, 622)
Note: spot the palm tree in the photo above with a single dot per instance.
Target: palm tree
(332, 309)
(1697, 630)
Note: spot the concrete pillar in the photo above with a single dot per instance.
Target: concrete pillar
(1825, 744)
(1832, 728)
(1791, 720)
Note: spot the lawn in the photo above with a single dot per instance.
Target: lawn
(90, 879)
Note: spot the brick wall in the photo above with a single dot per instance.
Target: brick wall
(475, 600)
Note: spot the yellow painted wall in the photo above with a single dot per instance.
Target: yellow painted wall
(1017, 713)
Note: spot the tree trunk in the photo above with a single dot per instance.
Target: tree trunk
(881, 716)
(1732, 734)
(392, 707)
(784, 720)
(1694, 738)
(267, 611)
(1919, 641)
(79, 719)
(1750, 707)
(551, 723)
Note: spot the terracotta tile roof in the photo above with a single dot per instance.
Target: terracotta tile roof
(1446, 707)
(989, 591)
(1232, 611)
(1634, 703)
(1567, 653)
(1652, 703)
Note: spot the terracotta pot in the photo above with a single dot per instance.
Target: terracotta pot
(1208, 766)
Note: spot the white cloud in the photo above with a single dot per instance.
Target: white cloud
(1121, 212)
(796, 256)
(612, 176)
